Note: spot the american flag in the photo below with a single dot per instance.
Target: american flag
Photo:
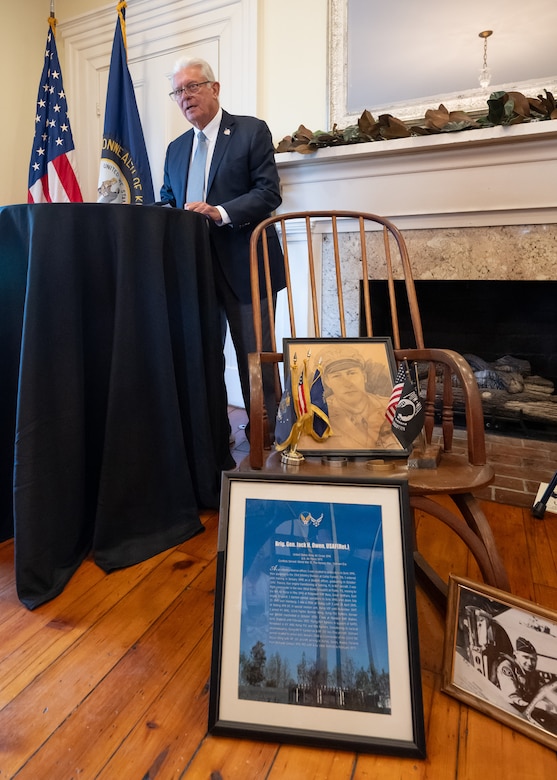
(302, 393)
(396, 393)
(52, 177)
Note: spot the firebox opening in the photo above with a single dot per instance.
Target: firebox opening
(487, 319)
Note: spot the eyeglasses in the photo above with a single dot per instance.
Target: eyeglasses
(189, 89)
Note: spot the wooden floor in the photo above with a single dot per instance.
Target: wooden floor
(110, 680)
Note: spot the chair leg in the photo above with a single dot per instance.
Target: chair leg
(435, 587)
(472, 512)
(475, 532)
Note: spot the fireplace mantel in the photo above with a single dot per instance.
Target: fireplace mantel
(473, 178)
(473, 205)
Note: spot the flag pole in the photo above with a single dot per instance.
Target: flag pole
(291, 456)
(423, 442)
(52, 18)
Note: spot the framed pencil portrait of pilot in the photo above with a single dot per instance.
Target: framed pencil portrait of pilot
(500, 657)
(315, 637)
(349, 384)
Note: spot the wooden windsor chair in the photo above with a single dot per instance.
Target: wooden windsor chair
(445, 492)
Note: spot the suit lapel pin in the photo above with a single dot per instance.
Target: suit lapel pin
(227, 131)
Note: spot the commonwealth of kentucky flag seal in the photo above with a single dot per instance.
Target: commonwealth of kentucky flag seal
(125, 173)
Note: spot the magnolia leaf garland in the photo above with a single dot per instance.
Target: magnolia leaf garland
(504, 108)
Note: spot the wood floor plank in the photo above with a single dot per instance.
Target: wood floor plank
(370, 767)
(171, 728)
(34, 640)
(507, 524)
(431, 628)
(21, 625)
(442, 732)
(437, 542)
(223, 757)
(304, 763)
(543, 558)
(127, 692)
(203, 545)
(54, 694)
(6, 565)
(508, 754)
(546, 596)
(550, 523)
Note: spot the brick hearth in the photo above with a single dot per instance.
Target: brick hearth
(520, 466)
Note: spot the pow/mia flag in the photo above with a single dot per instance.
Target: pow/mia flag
(125, 173)
(409, 414)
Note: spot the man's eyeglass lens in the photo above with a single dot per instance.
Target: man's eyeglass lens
(189, 89)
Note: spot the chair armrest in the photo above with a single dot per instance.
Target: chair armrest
(453, 364)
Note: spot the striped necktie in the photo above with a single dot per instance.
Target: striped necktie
(196, 176)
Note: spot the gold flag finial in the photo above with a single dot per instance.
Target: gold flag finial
(120, 8)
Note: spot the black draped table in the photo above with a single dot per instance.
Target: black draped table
(113, 419)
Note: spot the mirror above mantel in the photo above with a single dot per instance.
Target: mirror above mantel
(405, 58)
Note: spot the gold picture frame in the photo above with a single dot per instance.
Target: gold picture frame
(368, 433)
(500, 657)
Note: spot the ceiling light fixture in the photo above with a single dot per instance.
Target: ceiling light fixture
(485, 74)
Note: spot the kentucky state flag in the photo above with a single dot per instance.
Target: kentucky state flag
(302, 408)
(125, 173)
(321, 426)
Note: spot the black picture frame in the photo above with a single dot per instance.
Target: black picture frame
(489, 634)
(318, 577)
(370, 362)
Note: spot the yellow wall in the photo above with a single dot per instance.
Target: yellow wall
(292, 71)
(24, 38)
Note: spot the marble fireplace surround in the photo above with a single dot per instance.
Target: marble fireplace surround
(480, 204)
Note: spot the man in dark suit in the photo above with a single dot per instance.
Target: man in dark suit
(240, 188)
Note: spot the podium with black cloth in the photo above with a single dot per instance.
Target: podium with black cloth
(113, 419)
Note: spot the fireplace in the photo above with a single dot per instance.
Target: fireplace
(490, 320)
(485, 318)
(476, 206)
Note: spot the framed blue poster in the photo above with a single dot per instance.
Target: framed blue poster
(315, 637)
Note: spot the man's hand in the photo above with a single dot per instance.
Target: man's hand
(203, 208)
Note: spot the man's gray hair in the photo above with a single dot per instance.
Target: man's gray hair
(194, 62)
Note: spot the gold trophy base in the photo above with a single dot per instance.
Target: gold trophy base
(291, 458)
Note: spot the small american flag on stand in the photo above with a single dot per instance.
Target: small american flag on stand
(52, 177)
(396, 393)
(302, 393)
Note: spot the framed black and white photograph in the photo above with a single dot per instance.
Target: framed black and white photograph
(356, 378)
(315, 637)
(501, 658)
